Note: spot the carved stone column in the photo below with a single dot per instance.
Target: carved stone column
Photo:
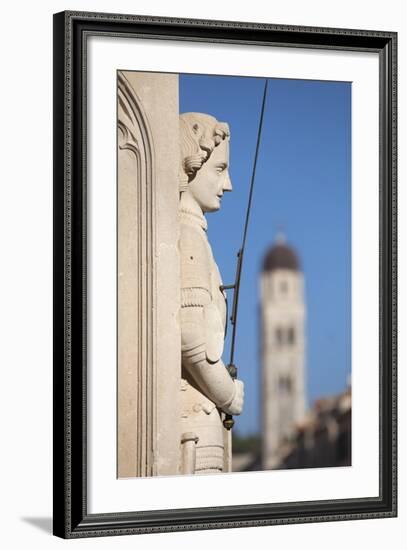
(148, 354)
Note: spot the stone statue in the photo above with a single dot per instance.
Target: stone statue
(208, 392)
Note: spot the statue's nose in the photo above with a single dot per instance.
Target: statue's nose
(227, 184)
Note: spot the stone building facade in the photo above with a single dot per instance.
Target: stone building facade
(323, 439)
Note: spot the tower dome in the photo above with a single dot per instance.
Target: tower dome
(281, 256)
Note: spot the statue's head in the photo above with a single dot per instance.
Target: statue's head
(204, 159)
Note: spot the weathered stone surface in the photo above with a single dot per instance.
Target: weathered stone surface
(149, 356)
(208, 392)
(173, 387)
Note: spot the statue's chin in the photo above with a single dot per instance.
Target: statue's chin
(212, 208)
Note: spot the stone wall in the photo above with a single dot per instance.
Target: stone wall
(148, 283)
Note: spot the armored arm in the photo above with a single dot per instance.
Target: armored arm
(210, 377)
(202, 330)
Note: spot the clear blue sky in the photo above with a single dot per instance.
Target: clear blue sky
(303, 185)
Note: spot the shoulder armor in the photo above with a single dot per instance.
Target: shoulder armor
(196, 263)
(195, 259)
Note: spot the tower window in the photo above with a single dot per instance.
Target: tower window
(283, 287)
(285, 384)
(285, 336)
(291, 335)
(288, 385)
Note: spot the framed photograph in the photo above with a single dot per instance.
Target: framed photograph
(224, 274)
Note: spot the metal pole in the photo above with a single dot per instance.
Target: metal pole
(228, 421)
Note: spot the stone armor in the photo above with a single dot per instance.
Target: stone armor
(205, 442)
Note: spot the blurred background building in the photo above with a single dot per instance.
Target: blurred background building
(291, 436)
(282, 318)
(323, 438)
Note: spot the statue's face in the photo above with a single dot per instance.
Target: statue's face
(212, 180)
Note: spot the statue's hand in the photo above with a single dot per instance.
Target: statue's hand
(236, 405)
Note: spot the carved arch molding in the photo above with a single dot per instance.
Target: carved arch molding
(135, 286)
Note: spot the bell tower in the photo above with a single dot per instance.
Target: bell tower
(282, 348)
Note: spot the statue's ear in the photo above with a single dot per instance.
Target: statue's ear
(197, 129)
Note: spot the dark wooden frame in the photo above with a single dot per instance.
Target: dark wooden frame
(71, 518)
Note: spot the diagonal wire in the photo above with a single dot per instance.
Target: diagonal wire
(254, 166)
(241, 251)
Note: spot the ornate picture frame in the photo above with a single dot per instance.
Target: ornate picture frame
(72, 206)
